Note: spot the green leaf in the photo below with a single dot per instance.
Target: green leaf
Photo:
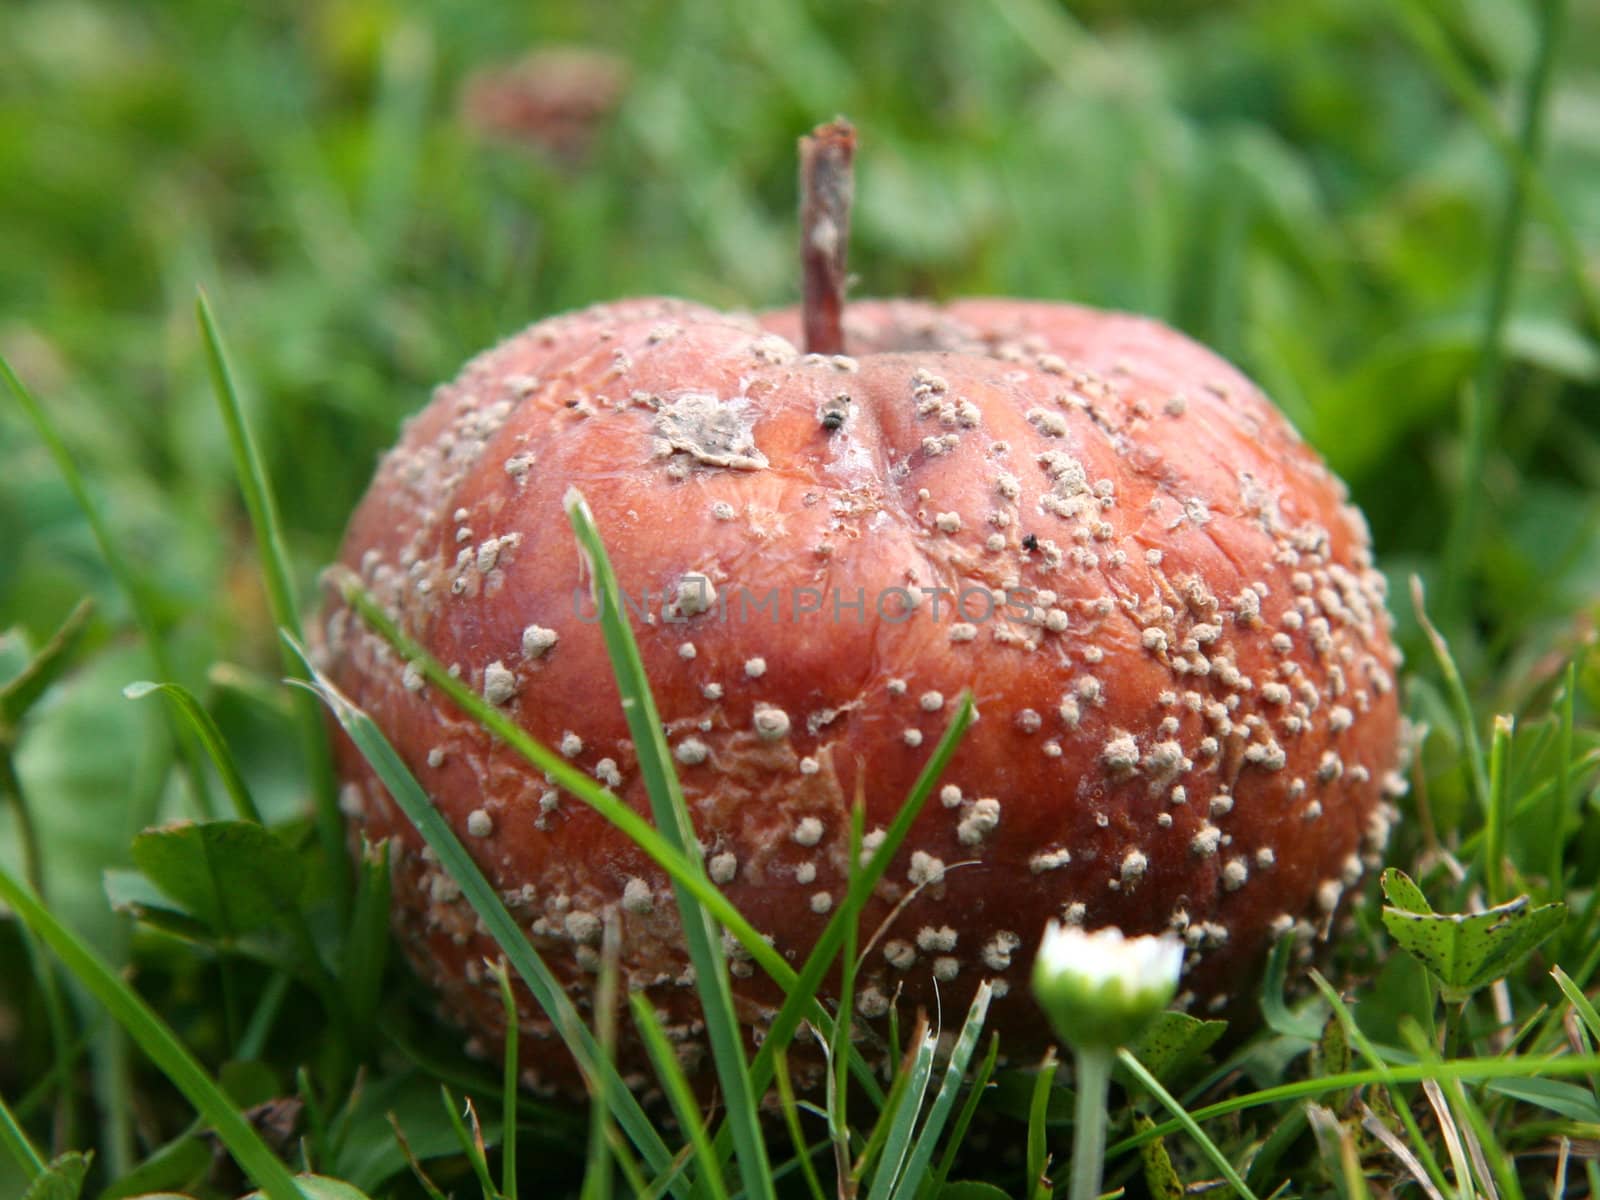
(22, 689)
(205, 728)
(366, 943)
(1401, 892)
(1333, 1048)
(132, 892)
(366, 1152)
(1468, 951)
(156, 1039)
(1160, 1176)
(971, 1189)
(321, 1187)
(1184, 1118)
(1012, 1096)
(248, 1081)
(1305, 1025)
(236, 876)
(62, 1178)
(1174, 1040)
(1566, 1099)
(178, 1164)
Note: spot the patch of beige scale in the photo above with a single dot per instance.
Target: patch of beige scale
(1091, 523)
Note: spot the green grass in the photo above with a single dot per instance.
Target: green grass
(1384, 212)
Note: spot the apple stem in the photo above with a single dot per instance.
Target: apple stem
(827, 185)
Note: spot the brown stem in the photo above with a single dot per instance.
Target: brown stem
(827, 185)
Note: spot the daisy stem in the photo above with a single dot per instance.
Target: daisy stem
(1089, 1128)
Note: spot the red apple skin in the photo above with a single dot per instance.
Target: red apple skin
(1206, 747)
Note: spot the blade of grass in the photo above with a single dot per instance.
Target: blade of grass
(886, 1111)
(15, 1139)
(1468, 1070)
(1498, 816)
(1528, 801)
(903, 1118)
(19, 694)
(22, 690)
(268, 1004)
(1481, 415)
(158, 1042)
(597, 1175)
(861, 886)
(453, 857)
(1460, 80)
(701, 935)
(969, 1109)
(1209, 1148)
(838, 1132)
(471, 1141)
(205, 728)
(800, 988)
(680, 1096)
(365, 951)
(1038, 1107)
(509, 1084)
(1448, 1103)
(43, 969)
(1363, 1044)
(839, 1043)
(1460, 701)
(1581, 1004)
(1490, 1160)
(256, 488)
(1558, 842)
(316, 1143)
(915, 1174)
(1374, 1125)
(1339, 1156)
(133, 587)
(791, 1120)
(801, 994)
(429, 1188)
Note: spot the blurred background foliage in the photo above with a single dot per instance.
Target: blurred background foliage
(1317, 189)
